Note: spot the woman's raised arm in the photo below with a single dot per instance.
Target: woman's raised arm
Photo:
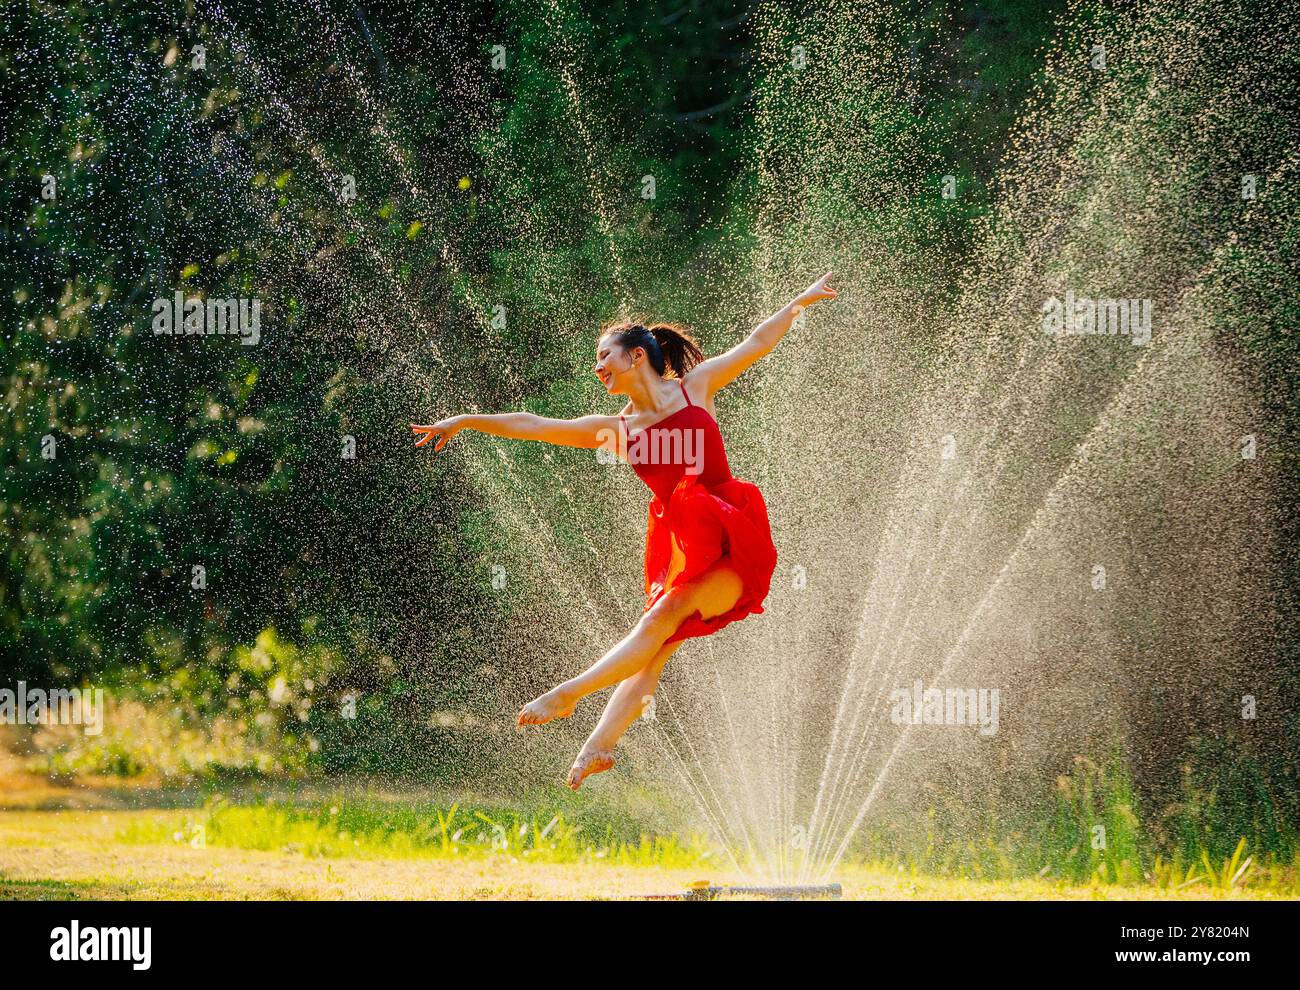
(585, 431)
(722, 370)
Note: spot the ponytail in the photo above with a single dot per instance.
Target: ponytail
(669, 346)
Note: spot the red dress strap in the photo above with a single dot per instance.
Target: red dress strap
(684, 395)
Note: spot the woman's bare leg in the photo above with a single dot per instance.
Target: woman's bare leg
(626, 705)
(712, 593)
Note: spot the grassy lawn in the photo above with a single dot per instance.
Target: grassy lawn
(100, 839)
(161, 854)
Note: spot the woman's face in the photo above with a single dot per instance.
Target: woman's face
(613, 364)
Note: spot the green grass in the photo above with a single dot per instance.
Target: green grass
(151, 855)
(1226, 826)
(1063, 853)
(365, 828)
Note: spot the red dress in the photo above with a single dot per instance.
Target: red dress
(699, 514)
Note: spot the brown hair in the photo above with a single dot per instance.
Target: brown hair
(668, 345)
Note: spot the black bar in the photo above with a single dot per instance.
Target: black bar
(981, 939)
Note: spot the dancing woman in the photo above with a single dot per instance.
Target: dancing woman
(709, 555)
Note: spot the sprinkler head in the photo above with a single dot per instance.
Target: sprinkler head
(703, 890)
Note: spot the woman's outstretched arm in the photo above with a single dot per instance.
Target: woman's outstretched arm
(585, 431)
(726, 368)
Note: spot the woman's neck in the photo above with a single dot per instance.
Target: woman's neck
(651, 394)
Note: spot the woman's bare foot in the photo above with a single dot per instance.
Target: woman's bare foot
(586, 764)
(553, 704)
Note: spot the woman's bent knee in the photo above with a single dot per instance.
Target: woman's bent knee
(711, 594)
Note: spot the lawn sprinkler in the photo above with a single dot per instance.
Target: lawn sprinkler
(703, 890)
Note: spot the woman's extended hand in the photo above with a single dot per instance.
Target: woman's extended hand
(444, 429)
(816, 292)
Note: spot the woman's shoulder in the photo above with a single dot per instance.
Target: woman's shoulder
(697, 387)
(697, 390)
